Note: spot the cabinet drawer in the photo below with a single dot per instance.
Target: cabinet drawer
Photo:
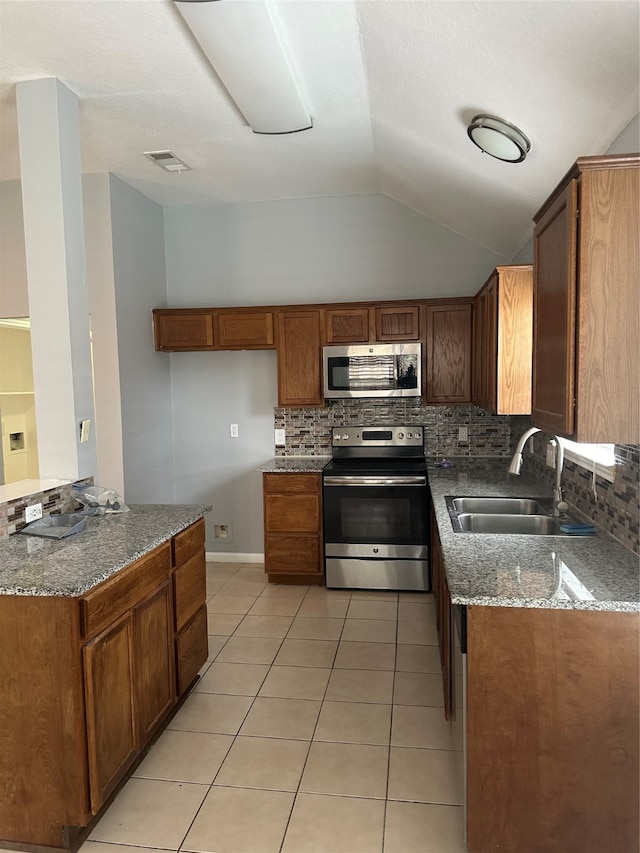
(188, 542)
(116, 595)
(190, 588)
(191, 649)
(245, 330)
(292, 513)
(291, 553)
(291, 483)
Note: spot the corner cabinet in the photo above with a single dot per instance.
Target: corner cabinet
(586, 370)
(293, 527)
(448, 354)
(503, 341)
(88, 681)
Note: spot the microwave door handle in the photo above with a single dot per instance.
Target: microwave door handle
(375, 481)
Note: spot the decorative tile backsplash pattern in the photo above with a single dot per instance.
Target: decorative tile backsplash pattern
(53, 501)
(308, 431)
(615, 506)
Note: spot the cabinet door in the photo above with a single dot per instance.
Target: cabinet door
(175, 332)
(554, 315)
(514, 342)
(398, 324)
(477, 325)
(346, 325)
(112, 736)
(299, 358)
(191, 649)
(448, 354)
(154, 659)
(244, 330)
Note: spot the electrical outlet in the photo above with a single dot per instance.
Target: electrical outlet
(233, 430)
(33, 512)
(222, 531)
(280, 438)
(85, 429)
(551, 455)
(463, 435)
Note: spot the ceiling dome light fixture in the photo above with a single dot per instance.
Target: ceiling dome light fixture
(499, 138)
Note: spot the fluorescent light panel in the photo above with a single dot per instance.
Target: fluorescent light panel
(241, 41)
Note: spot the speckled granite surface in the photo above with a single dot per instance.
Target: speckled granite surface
(69, 567)
(588, 573)
(295, 465)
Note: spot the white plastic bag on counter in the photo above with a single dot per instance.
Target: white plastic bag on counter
(98, 500)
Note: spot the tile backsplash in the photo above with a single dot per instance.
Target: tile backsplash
(56, 500)
(308, 431)
(615, 506)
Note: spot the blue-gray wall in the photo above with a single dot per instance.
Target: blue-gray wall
(140, 285)
(282, 252)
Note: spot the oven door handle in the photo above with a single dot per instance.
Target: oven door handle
(375, 481)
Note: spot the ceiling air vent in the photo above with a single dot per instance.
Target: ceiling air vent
(168, 161)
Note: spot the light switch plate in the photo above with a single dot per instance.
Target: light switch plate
(280, 438)
(551, 455)
(85, 430)
(233, 430)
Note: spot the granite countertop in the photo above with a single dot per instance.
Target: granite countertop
(295, 465)
(70, 567)
(562, 572)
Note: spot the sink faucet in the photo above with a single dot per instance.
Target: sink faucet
(559, 506)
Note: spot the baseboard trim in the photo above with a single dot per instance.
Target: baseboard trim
(231, 557)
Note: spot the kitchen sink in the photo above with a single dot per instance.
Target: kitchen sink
(502, 506)
(529, 525)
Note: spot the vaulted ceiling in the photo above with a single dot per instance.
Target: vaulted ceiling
(391, 86)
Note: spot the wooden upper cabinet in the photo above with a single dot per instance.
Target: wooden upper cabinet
(371, 324)
(181, 330)
(397, 323)
(502, 342)
(244, 330)
(586, 370)
(448, 358)
(346, 325)
(299, 356)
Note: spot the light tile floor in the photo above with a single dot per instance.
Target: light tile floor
(317, 727)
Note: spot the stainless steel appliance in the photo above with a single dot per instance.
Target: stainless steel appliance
(375, 508)
(372, 370)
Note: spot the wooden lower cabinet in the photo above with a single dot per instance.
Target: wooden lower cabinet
(552, 731)
(293, 527)
(112, 736)
(86, 682)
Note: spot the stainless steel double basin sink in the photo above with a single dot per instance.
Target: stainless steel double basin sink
(519, 516)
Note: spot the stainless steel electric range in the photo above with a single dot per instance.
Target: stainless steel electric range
(376, 509)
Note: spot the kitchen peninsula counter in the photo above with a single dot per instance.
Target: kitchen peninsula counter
(32, 565)
(560, 572)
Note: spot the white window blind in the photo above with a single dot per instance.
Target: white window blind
(598, 458)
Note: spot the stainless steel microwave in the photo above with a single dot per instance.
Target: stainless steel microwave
(372, 370)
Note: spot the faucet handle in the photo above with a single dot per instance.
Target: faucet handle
(562, 506)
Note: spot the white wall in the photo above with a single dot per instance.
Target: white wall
(14, 298)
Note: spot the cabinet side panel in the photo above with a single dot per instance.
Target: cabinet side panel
(552, 730)
(608, 403)
(515, 342)
(43, 763)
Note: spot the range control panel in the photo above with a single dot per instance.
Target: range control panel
(396, 436)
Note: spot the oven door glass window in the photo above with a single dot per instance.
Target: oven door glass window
(375, 515)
